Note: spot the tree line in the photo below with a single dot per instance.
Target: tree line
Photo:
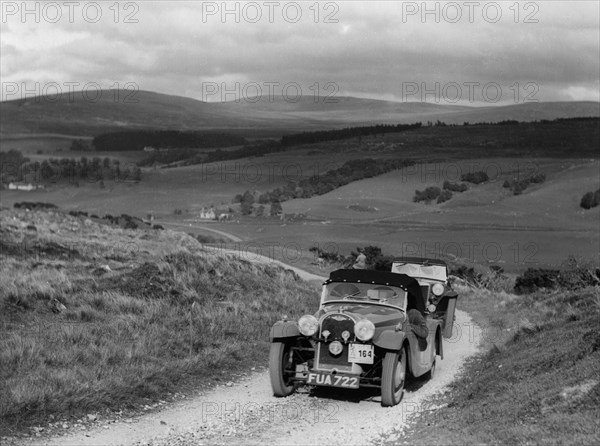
(346, 133)
(350, 171)
(17, 168)
(138, 139)
(192, 156)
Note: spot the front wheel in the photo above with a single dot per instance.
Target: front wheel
(431, 373)
(281, 369)
(393, 377)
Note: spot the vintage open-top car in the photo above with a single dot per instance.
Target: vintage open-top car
(363, 335)
(432, 275)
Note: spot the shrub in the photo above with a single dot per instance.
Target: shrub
(276, 209)
(455, 187)
(535, 278)
(328, 256)
(537, 178)
(30, 205)
(518, 186)
(467, 273)
(590, 200)
(246, 202)
(204, 239)
(445, 195)
(246, 208)
(475, 177)
(575, 274)
(495, 280)
(383, 263)
(427, 195)
(130, 224)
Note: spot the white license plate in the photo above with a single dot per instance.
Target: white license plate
(361, 353)
(326, 379)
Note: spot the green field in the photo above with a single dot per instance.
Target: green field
(485, 224)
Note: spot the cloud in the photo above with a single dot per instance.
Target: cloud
(371, 48)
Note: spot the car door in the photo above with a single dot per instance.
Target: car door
(422, 352)
(445, 307)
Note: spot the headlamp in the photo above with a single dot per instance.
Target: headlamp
(364, 329)
(308, 325)
(437, 289)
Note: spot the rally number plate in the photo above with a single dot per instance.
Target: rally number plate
(361, 353)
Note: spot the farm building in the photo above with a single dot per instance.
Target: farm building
(24, 186)
(208, 214)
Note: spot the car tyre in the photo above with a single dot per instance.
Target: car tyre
(279, 359)
(431, 373)
(393, 377)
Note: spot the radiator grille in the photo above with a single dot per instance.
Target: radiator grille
(335, 324)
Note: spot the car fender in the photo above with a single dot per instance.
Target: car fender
(390, 340)
(284, 330)
(437, 327)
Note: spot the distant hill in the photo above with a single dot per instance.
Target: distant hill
(532, 111)
(82, 117)
(77, 116)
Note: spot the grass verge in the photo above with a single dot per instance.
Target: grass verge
(536, 383)
(96, 318)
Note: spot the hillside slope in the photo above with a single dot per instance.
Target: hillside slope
(538, 381)
(96, 318)
(111, 111)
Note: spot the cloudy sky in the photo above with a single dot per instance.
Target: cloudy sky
(454, 52)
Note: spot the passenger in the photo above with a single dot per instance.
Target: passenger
(417, 322)
(361, 260)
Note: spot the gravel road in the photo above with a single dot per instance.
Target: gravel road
(245, 412)
(252, 257)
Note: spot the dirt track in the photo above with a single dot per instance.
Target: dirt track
(304, 275)
(245, 412)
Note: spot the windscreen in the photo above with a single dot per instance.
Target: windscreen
(364, 292)
(437, 272)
